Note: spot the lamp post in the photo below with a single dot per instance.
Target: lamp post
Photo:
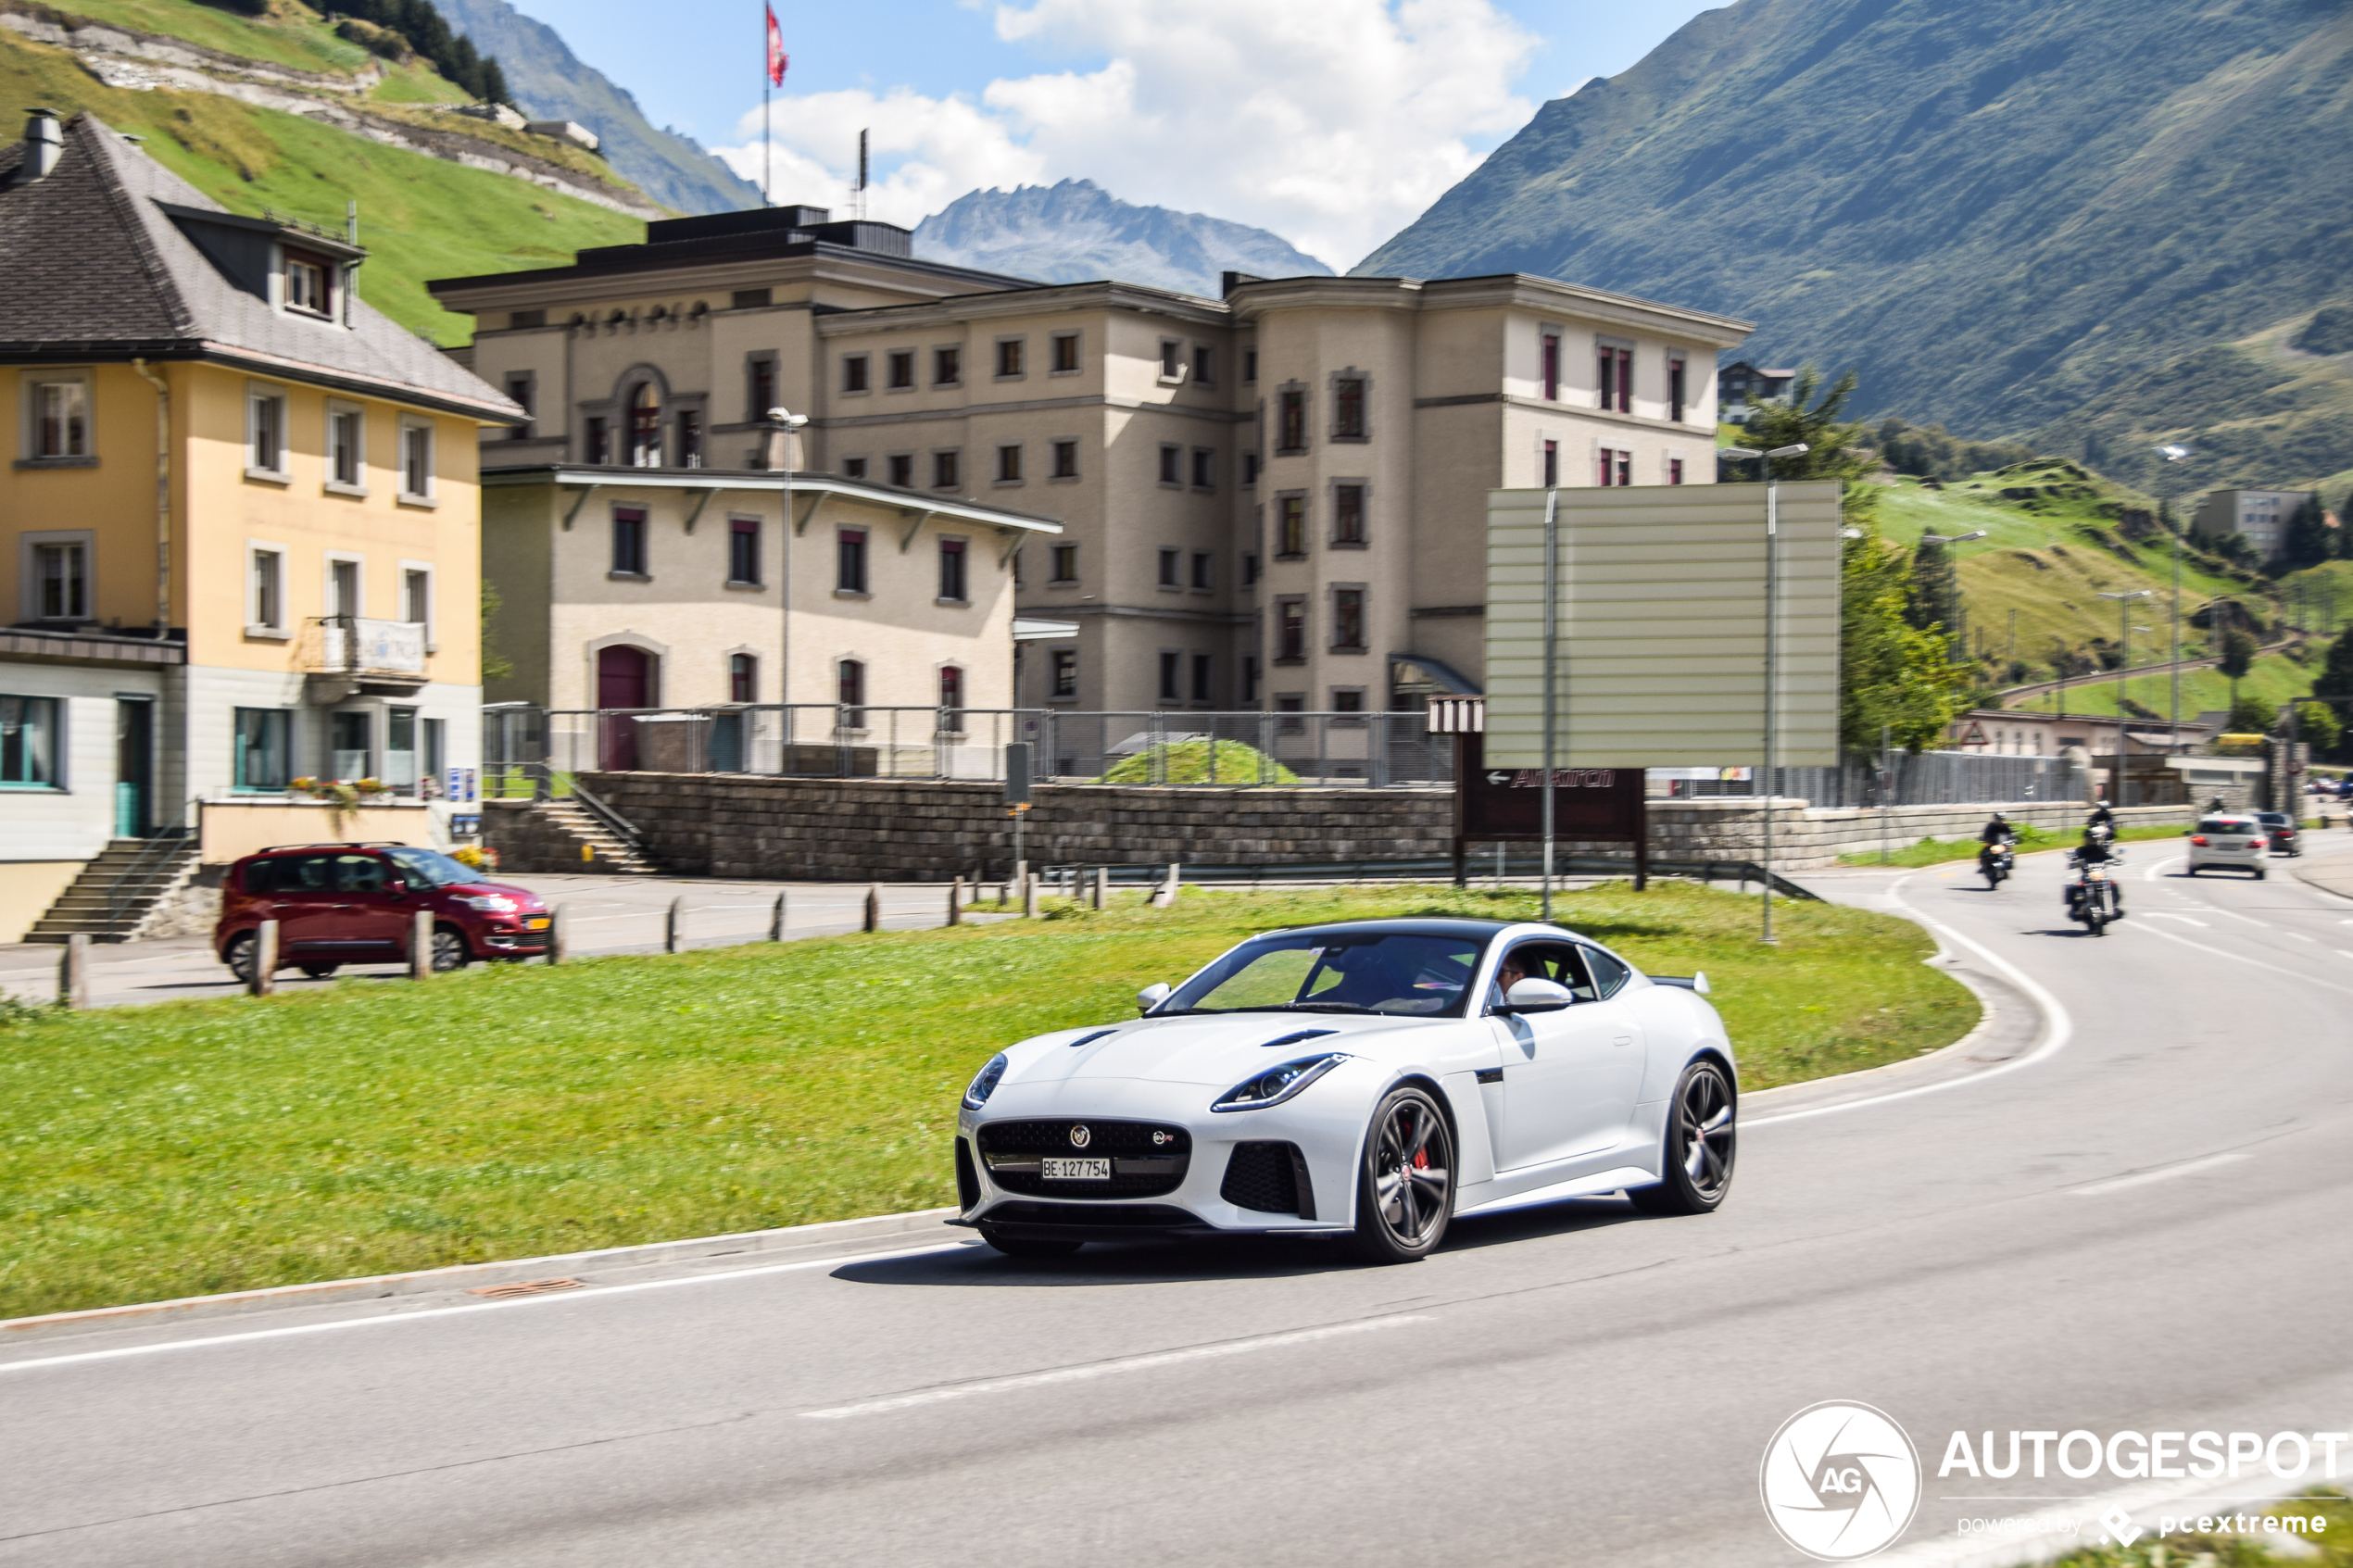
(2123, 675)
(1552, 707)
(2173, 455)
(1953, 619)
(783, 422)
(1772, 648)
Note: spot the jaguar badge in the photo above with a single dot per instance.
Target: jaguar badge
(1080, 1137)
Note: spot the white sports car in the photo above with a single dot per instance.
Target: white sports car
(1374, 1078)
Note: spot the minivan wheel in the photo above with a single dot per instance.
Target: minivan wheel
(319, 971)
(238, 956)
(449, 949)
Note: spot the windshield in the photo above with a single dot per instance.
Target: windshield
(2226, 824)
(431, 868)
(1383, 971)
(2272, 819)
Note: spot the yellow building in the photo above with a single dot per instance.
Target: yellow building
(244, 520)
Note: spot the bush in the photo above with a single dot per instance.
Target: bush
(1190, 762)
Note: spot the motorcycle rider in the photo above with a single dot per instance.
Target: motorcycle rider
(2098, 849)
(1996, 833)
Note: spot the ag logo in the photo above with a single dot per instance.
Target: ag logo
(1840, 1481)
(1080, 1137)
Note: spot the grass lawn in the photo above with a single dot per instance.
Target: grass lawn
(1936, 851)
(2331, 1546)
(500, 1112)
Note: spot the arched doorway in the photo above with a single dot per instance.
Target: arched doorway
(625, 678)
(645, 427)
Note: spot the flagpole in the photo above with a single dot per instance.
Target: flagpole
(767, 151)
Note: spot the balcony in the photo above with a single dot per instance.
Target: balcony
(352, 655)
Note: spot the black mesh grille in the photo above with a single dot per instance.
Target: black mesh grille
(1142, 1216)
(1259, 1176)
(1146, 1159)
(967, 1184)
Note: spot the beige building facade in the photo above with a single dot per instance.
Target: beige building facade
(1272, 499)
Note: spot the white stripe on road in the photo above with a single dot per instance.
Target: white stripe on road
(2162, 1172)
(2167, 914)
(1108, 1369)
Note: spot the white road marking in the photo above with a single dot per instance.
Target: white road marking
(1108, 1369)
(2169, 914)
(2162, 1172)
(595, 1293)
(2296, 937)
(2238, 958)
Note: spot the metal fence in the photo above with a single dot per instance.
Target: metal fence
(1226, 750)
(1934, 778)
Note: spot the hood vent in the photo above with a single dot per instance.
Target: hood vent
(1294, 1038)
(1091, 1039)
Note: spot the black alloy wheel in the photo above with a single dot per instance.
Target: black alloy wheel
(239, 956)
(1027, 1246)
(1405, 1195)
(449, 949)
(1702, 1139)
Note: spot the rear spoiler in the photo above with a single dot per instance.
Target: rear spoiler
(1683, 982)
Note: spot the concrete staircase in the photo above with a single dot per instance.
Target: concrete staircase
(548, 835)
(117, 892)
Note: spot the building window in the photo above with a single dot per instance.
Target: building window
(1292, 426)
(742, 678)
(1249, 569)
(351, 745)
(1674, 471)
(523, 390)
(1250, 470)
(1170, 563)
(629, 541)
(1348, 409)
(1551, 464)
(1348, 515)
(1065, 457)
(1066, 362)
(743, 551)
(1551, 371)
(1204, 469)
(902, 370)
(854, 369)
(308, 284)
(29, 742)
(60, 421)
(750, 299)
(1009, 358)
(645, 427)
(1009, 465)
(1063, 561)
(591, 439)
(263, 742)
(1201, 677)
(690, 439)
(760, 372)
(267, 610)
(416, 462)
(1348, 619)
(1348, 699)
(944, 469)
(1250, 678)
(1291, 631)
(1171, 359)
(952, 583)
(1063, 672)
(1171, 668)
(1675, 383)
(1250, 364)
(946, 367)
(400, 750)
(853, 468)
(1202, 569)
(1290, 527)
(346, 448)
(1618, 380)
(61, 580)
(416, 598)
(850, 691)
(1618, 467)
(951, 698)
(1172, 465)
(850, 561)
(902, 470)
(344, 596)
(266, 434)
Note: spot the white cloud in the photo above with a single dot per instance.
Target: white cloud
(1332, 122)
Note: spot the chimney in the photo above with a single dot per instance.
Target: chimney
(44, 144)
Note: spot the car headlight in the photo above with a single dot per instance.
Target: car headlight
(491, 902)
(1277, 1083)
(983, 1083)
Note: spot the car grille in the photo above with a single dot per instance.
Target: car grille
(1146, 1159)
(1093, 1216)
(1269, 1178)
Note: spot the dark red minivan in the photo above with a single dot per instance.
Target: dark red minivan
(357, 903)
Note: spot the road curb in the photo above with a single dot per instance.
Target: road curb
(467, 1276)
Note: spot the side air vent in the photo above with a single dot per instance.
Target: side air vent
(1268, 1178)
(1293, 1039)
(967, 1183)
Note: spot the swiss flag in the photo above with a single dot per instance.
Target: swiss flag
(777, 59)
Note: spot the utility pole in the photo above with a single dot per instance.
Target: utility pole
(1772, 769)
(1955, 643)
(2173, 455)
(2123, 677)
(1552, 676)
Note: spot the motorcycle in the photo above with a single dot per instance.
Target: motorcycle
(1996, 860)
(2091, 896)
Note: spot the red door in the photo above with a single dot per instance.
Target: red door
(625, 679)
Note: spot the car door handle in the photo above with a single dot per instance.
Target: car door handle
(1623, 1040)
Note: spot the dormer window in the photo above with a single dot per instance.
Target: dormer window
(310, 286)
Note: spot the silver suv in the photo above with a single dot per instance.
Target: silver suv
(2240, 843)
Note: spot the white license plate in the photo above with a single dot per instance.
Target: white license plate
(1075, 1170)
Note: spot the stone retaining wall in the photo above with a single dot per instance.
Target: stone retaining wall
(857, 830)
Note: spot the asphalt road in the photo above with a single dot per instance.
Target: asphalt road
(2130, 1215)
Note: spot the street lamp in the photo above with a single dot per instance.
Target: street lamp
(783, 422)
(1953, 620)
(2123, 673)
(1772, 648)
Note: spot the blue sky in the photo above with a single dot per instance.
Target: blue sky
(1331, 121)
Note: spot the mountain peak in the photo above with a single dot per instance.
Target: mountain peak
(1074, 232)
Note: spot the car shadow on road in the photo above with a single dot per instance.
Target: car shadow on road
(1191, 1259)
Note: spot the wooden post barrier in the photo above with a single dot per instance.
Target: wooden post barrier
(265, 960)
(874, 907)
(670, 921)
(560, 934)
(421, 945)
(73, 972)
(956, 902)
(779, 919)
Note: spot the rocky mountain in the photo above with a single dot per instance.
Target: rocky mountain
(2092, 225)
(1076, 231)
(549, 83)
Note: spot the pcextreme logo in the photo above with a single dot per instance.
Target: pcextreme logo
(1840, 1481)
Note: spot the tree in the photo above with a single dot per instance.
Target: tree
(2335, 684)
(2317, 727)
(2250, 715)
(1933, 589)
(2239, 652)
(2309, 541)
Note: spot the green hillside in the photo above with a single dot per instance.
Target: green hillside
(2095, 225)
(420, 217)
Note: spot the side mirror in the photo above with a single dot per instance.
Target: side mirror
(1699, 982)
(1538, 996)
(1152, 996)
